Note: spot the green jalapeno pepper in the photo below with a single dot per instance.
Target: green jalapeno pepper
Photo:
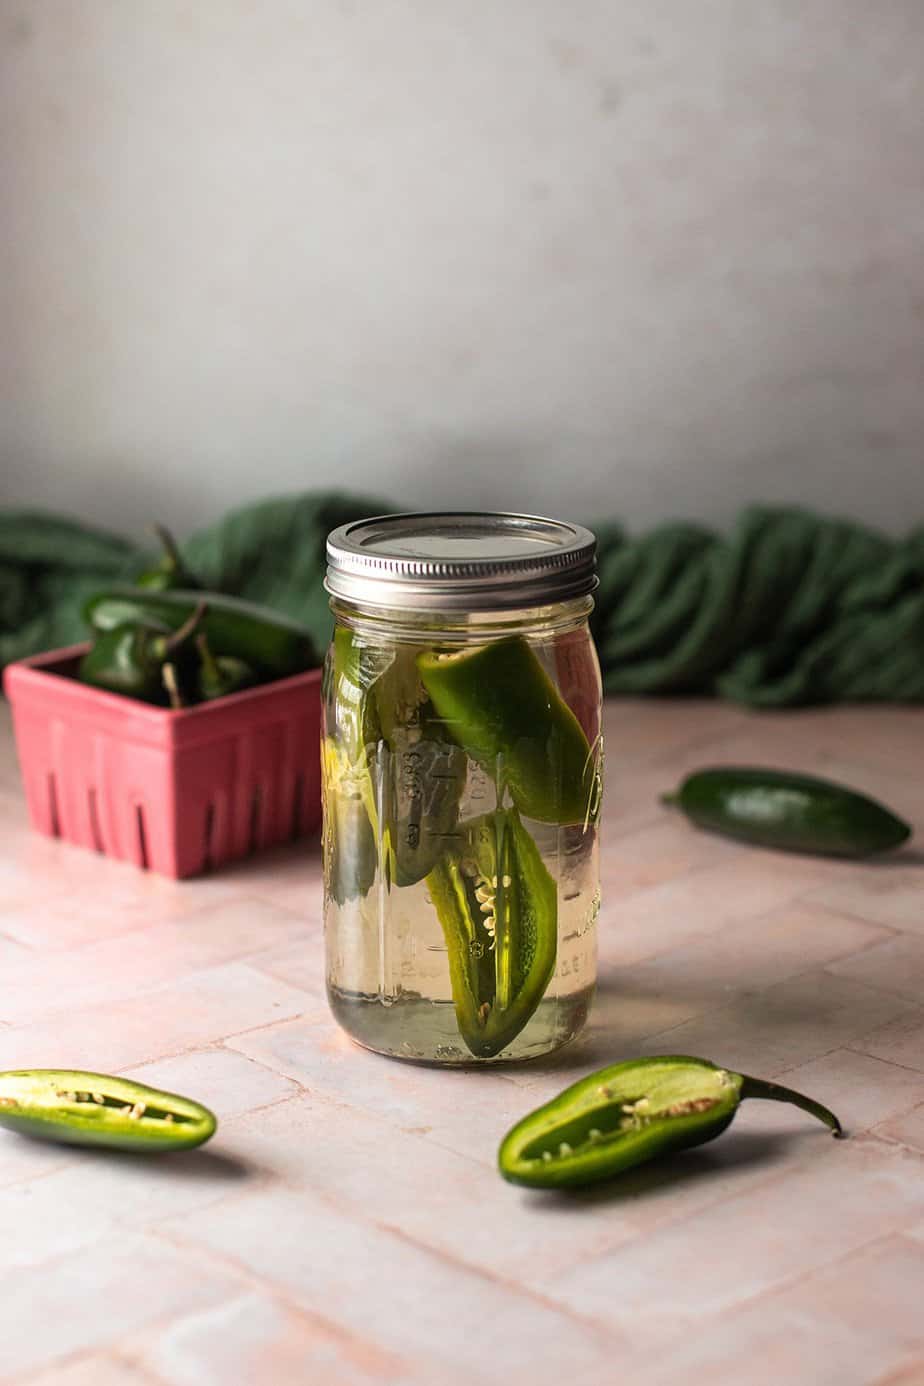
(79, 1108)
(429, 780)
(219, 675)
(145, 660)
(502, 708)
(497, 905)
(348, 843)
(128, 659)
(387, 730)
(171, 571)
(796, 813)
(631, 1112)
(271, 644)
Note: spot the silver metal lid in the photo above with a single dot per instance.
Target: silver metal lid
(460, 560)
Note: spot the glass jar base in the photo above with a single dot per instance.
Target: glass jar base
(420, 1031)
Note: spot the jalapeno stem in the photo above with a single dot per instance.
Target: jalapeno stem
(168, 673)
(169, 544)
(182, 632)
(775, 1092)
(669, 799)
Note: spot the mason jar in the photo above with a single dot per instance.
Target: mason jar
(461, 771)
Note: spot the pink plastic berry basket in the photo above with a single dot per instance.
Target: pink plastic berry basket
(177, 792)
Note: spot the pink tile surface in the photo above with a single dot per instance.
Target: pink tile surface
(862, 1091)
(347, 1224)
(200, 1008)
(837, 1198)
(81, 1301)
(96, 974)
(381, 1285)
(898, 1041)
(463, 1110)
(97, 1369)
(256, 1337)
(862, 1311)
(233, 1083)
(897, 966)
(427, 1193)
(787, 1024)
(908, 1128)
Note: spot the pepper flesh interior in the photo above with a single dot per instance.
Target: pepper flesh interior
(99, 1099)
(497, 905)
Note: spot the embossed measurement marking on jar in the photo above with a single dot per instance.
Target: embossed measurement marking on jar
(479, 785)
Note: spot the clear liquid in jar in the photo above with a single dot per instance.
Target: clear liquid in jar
(388, 964)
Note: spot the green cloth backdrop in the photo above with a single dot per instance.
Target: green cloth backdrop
(788, 608)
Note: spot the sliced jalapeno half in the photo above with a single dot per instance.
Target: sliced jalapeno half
(497, 905)
(502, 708)
(629, 1113)
(79, 1108)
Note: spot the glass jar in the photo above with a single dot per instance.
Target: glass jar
(461, 771)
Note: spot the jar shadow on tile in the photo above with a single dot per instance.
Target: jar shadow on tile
(624, 1014)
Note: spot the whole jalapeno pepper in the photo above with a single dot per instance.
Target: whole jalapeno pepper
(498, 907)
(631, 1112)
(271, 644)
(502, 708)
(171, 571)
(126, 660)
(78, 1108)
(792, 812)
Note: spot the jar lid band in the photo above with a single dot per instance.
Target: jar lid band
(460, 560)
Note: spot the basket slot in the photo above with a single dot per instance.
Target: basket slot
(93, 811)
(54, 817)
(218, 830)
(304, 817)
(256, 818)
(208, 833)
(295, 827)
(142, 838)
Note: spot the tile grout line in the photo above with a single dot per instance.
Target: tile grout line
(251, 1284)
(267, 1284)
(352, 1213)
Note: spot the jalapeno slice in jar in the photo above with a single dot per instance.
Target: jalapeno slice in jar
(78, 1108)
(497, 905)
(631, 1112)
(407, 770)
(348, 841)
(505, 712)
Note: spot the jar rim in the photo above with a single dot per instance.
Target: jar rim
(460, 560)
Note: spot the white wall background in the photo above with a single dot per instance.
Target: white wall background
(645, 257)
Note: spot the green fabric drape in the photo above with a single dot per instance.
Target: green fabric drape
(789, 608)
